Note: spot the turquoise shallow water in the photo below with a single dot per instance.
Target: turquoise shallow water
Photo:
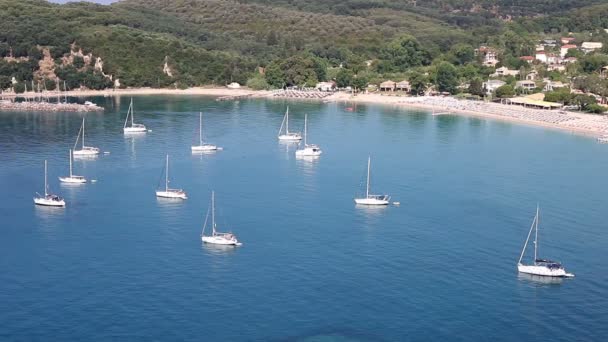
(118, 264)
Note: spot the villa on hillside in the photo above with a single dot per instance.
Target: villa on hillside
(504, 71)
(528, 59)
(567, 40)
(564, 49)
(587, 47)
(489, 55)
(552, 85)
(527, 85)
(490, 86)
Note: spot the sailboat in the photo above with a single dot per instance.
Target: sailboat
(201, 147)
(540, 267)
(48, 199)
(217, 238)
(370, 199)
(288, 136)
(72, 178)
(84, 150)
(308, 150)
(167, 192)
(134, 127)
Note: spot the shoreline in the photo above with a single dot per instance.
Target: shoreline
(574, 122)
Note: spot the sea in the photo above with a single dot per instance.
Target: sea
(119, 264)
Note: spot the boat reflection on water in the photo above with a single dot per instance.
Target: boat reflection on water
(214, 249)
(540, 280)
(49, 213)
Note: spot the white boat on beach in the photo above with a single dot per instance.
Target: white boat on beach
(540, 267)
(369, 198)
(84, 151)
(203, 147)
(287, 135)
(133, 127)
(168, 192)
(217, 238)
(48, 200)
(72, 178)
(308, 150)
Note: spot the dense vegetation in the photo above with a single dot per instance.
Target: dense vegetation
(162, 43)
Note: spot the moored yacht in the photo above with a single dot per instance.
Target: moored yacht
(369, 198)
(72, 178)
(287, 135)
(49, 200)
(168, 192)
(217, 238)
(133, 127)
(308, 150)
(84, 151)
(203, 147)
(540, 267)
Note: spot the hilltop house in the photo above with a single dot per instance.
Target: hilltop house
(564, 49)
(488, 55)
(528, 59)
(387, 86)
(531, 76)
(549, 42)
(541, 56)
(490, 86)
(527, 85)
(567, 40)
(504, 71)
(590, 46)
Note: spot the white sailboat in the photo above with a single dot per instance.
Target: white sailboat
(370, 199)
(48, 199)
(203, 147)
(72, 178)
(134, 127)
(288, 136)
(168, 192)
(84, 149)
(308, 150)
(217, 238)
(540, 267)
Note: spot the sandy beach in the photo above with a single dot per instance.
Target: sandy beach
(581, 123)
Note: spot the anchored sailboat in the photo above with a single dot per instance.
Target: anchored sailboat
(168, 192)
(308, 150)
(48, 199)
(84, 150)
(370, 199)
(540, 267)
(134, 127)
(217, 238)
(202, 147)
(72, 178)
(288, 136)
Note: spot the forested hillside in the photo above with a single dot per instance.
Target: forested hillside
(162, 43)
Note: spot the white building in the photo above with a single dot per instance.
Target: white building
(541, 56)
(325, 86)
(564, 49)
(491, 85)
(590, 46)
(528, 85)
(504, 71)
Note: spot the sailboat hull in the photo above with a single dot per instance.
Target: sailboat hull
(134, 130)
(218, 240)
(309, 152)
(86, 151)
(371, 201)
(290, 137)
(204, 148)
(543, 271)
(49, 202)
(172, 194)
(73, 180)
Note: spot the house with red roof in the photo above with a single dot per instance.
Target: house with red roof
(564, 49)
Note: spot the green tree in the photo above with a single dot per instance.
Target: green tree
(344, 78)
(402, 53)
(447, 78)
(476, 87)
(257, 82)
(505, 91)
(461, 54)
(419, 83)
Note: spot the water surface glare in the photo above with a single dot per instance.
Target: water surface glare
(119, 264)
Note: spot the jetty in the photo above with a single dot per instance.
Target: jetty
(38, 106)
(233, 97)
(301, 94)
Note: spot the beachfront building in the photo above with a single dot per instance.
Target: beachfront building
(490, 86)
(533, 103)
(587, 47)
(564, 49)
(403, 86)
(553, 85)
(233, 85)
(388, 86)
(504, 71)
(325, 86)
(526, 85)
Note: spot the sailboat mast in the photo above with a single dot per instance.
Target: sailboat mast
(536, 235)
(128, 113)
(132, 112)
(200, 129)
(83, 132)
(213, 211)
(70, 163)
(287, 121)
(305, 128)
(369, 161)
(167, 174)
(521, 256)
(45, 183)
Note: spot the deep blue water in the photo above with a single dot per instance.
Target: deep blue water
(118, 264)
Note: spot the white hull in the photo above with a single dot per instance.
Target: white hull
(73, 179)
(205, 148)
(290, 137)
(133, 130)
(172, 194)
(543, 271)
(309, 152)
(49, 202)
(371, 201)
(219, 240)
(86, 151)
